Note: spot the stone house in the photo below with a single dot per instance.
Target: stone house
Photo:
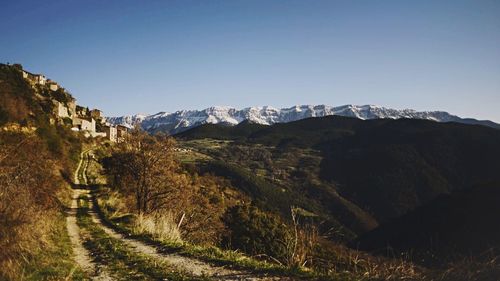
(53, 86)
(72, 107)
(62, 110)
(111, 132)
(65, 110)
(121, 132)
(34, 78)
(84, 124)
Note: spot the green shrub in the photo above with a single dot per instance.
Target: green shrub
(256, 232)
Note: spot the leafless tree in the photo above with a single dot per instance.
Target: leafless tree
(145, 166)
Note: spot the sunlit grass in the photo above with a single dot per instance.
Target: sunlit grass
(54, 262)
(117, 257)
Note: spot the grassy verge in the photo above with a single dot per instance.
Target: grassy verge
(209, 254)
(122, 263)
(55, 262)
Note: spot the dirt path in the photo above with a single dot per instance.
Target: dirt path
(184, 264)
(188, 265)
(81, 255)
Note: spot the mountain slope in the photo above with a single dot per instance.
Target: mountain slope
(386, 167)
(392, 167)
(461, 223)
(185, 119)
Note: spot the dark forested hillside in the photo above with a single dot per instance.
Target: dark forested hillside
(395, 166)
(385, 168)
(462, 223)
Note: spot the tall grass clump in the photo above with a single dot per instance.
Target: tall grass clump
(161, 226)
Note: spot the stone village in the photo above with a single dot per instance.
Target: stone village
(91, 123)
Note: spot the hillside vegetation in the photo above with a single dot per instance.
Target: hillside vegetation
(361, 174)
(36, 159)
(153, 197)
(457, 224)
(25, 103)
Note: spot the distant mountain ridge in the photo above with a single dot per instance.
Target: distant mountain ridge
(127, 120)
(182, 120)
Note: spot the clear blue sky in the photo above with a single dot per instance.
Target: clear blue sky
(148, 56)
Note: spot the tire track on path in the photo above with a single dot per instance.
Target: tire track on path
(81, 256)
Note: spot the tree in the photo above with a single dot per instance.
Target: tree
(145, 166)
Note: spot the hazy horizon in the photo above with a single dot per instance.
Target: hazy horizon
(129, 57)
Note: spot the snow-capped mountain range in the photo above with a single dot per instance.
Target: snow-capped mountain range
(182, 120)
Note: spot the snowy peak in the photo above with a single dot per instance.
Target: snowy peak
(127, 120)
(182, 120)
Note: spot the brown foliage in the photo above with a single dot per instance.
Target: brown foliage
(27, 188)
(204, 210)
(15, 95)
(146, 168)
(15, 107)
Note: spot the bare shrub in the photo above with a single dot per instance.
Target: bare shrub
(27, 198)
(202, 223)
(266, 235)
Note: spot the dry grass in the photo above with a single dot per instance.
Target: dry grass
(398, 269)
(483, 268)
(19, 243)
(161, 226)
(113, 205)
(336, 259)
